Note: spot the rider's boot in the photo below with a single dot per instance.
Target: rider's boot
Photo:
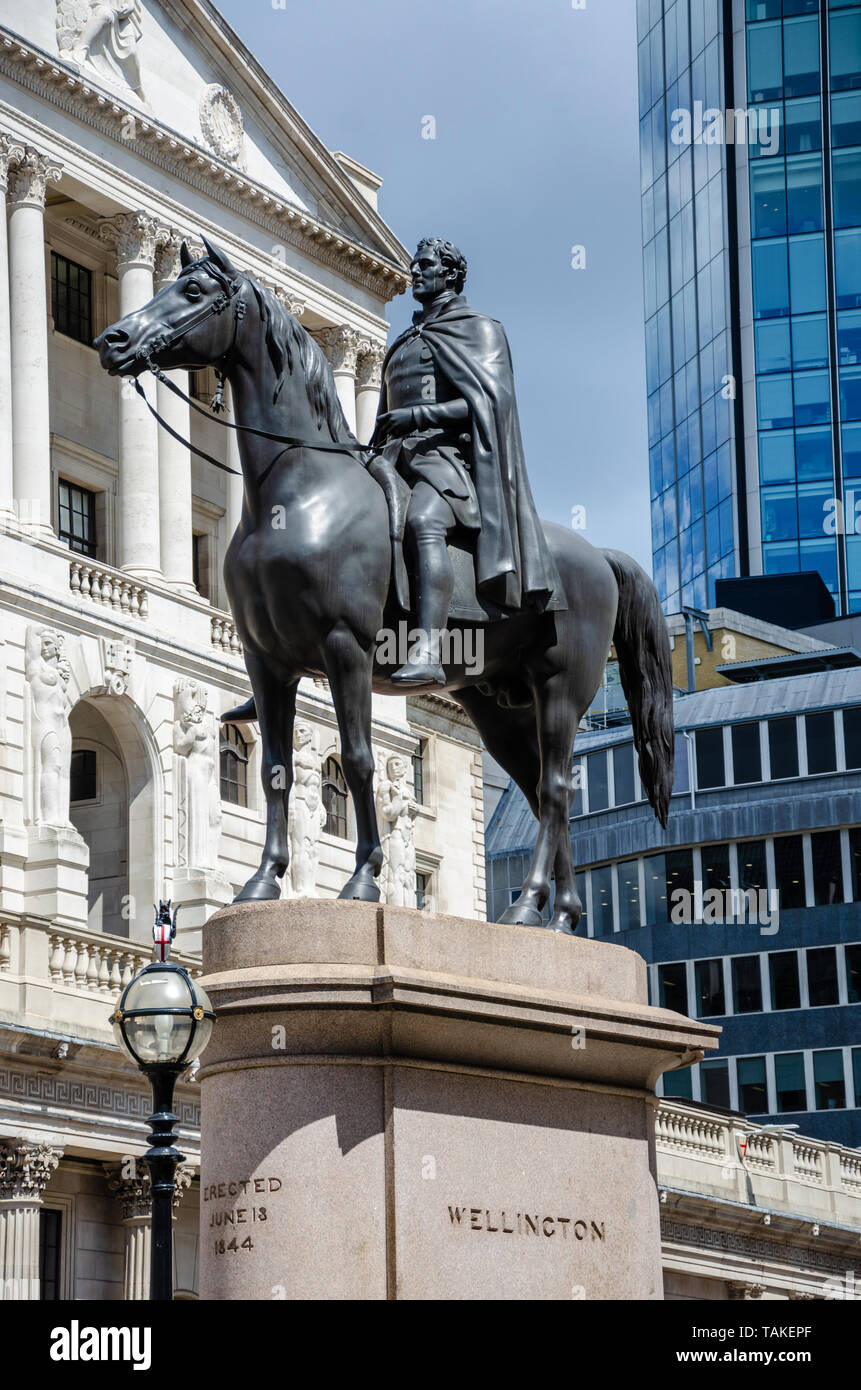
(434, 586)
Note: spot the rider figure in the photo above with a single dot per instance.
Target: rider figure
(448, 423)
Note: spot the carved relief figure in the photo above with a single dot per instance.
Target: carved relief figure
(307, 813)
(397, 811)
(195, 741)
(47, 671)
(104, 35)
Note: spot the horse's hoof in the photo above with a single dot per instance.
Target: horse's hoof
(359, 890)
(564, 923)
(522, 916)
(259, 889)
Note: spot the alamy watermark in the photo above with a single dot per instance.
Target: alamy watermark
(741, 126)
(756, 907)
(460, 647)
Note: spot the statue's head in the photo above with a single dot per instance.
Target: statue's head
(396, 767)
(437, 266)
(302, 733)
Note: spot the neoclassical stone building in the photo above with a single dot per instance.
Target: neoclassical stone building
(125, 129)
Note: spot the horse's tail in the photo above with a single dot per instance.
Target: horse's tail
(645, 666)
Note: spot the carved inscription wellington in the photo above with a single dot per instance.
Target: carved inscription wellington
(524, 1224)
(247, 1211)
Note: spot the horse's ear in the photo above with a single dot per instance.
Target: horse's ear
(185, 257)
(218, 258)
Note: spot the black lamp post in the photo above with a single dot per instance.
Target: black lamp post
(163, 1021)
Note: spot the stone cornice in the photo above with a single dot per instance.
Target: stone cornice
(198, 167)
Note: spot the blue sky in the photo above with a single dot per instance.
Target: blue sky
(535, 105)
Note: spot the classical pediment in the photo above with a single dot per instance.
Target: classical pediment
(191, 85)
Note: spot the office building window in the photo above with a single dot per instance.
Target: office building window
(72, 298)
(710, 760)
(681, 774)
(234, 766)
(821, 747)
(827, 868)
(856, 1074)
(711, 1000)
(628, 879)
(679, 1084)
(828, 1080)
(673, 987)
(578, 775)
(596, 781)
(418, 759)
(715, 862)
(714, 1083)
(422, 890)
(751, 865)
(855, 862)
(746, 758)
(789, 1081)
(602, 901)
(789, 871)
(752, 1090)
(852, 735)
(853, 974)
(656, 889)
(746, 985)
(822, 976)
(783, 972)
(77, 517)
(783, 748)
(623, 773)
(50, 1230)
(335, 799)
(82, 775)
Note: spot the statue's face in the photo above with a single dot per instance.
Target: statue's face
(397, 768)
(49, 646)
(301, 735)
(429, 275)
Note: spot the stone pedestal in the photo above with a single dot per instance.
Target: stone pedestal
(407, 1106)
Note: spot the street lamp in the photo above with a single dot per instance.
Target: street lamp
(163, 1021)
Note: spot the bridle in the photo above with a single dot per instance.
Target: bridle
(231, 293)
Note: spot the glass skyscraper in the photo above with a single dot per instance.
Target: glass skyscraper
(752, 263)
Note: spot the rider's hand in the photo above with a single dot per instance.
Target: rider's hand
(393, 424)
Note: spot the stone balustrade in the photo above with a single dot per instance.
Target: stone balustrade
(224, 635)
(108, 587)
(97, 963)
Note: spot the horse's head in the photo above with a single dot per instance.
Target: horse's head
(189, 323)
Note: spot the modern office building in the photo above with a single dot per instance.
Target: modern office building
(751, 195)
(766, 810)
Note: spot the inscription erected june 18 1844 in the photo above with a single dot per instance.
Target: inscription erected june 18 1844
(250, 1213)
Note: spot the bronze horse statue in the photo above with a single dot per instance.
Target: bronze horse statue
(308, 574)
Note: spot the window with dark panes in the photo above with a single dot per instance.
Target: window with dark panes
(72, 298)
(76, 507)
(853, 973)
(596, 781)
(681, 773)
(715, 862)
(418, 760)
(855, 862)
(628, 880)
(50, 1229)
(335, 799)
(710, 759)
(678, 1085)
(657, 909)
(233, 766)
(821, 747)
(789, 871)
(623, 773)
(783, 748)
(714, 1083)
(752, 1089)
(751, 865)
(746, 757)
(578, 775)
(783, 973)
(856, 1075)
(673, 987)
(82, 775)
(852, 735)
(828, 1080)
(422, 890)
(711, 998)
(827, 868)
(822, 985)
(789, 1082)
(746, 984)
(602, 901)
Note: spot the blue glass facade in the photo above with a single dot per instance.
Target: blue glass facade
(801, 65)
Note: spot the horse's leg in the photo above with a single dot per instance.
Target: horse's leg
(511, 737)
(348, 669)
(275, 702)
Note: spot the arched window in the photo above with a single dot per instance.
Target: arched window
(234, 766)
(335, 798)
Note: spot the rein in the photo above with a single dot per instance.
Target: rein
(166, 340)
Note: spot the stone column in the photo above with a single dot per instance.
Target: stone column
(134, 1194)
(341, 346)
(28, 181)
(174, 459)
(134, 234)
(368, 382)
(25, 1169)
(8, 152)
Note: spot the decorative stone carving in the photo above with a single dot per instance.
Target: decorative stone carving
(102, 35)
(221, 122)
(135, 235)
(10, 153)
(133, 1190)
(745, 1292)
(341, 346)
(195, 742)
(116, 665)
(397, 811)
(307, 814)
(25, 1169)
(47, 673)
(370, 366)
(29, 174)
(167, 265)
